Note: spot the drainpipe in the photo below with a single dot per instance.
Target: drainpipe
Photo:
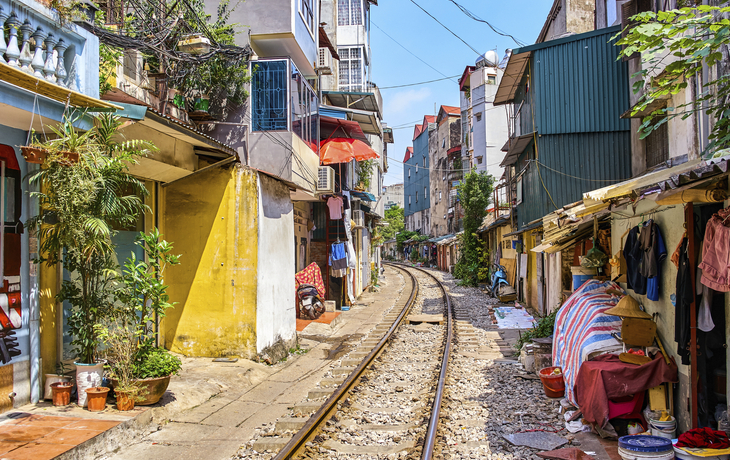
(34, 330)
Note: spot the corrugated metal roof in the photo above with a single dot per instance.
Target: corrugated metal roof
(579, 85)
(409, 154)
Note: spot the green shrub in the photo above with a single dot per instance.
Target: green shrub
(156, 362)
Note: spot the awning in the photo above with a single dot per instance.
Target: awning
(324, 42)
(511, 78)
(525, 229)
(627, 187)
(363, 195)
(501, 221)
(518, 145)
(369, 121)
(153, 119)
(572, 222)
(440, 238)
(353, 100)
(29, 82)
(335, 127)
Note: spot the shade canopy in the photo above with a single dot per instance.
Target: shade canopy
(343, 150)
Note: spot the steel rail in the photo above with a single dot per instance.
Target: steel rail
(312, 425)
(429, 441)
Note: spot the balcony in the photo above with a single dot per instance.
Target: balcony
(284, 123)
(39, 56)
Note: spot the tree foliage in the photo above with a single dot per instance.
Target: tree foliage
(475, 193)
(396, 223)
(81, 205)
(675, 46)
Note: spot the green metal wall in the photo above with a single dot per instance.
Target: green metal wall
(580, 85)
(571, 164)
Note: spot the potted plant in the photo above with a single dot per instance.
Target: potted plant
(59, 376)
(144, 297)
(61, 393)
(120, 353)
(97, 398)
(81, 203)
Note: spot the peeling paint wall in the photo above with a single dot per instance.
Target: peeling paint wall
(212, 219)
(275, 296)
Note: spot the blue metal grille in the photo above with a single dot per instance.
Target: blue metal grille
(269, 96)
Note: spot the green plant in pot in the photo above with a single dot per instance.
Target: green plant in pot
(144, 297)
(81, 203)
(120, 352)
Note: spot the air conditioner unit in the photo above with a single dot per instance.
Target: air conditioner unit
(325, 180)
(324, 62)
(359, 218)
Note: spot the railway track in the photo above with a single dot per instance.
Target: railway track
(388, 404)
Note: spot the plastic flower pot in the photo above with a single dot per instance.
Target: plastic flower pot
(552, 382)
(96, 398)
(124, 401)
(61, 393)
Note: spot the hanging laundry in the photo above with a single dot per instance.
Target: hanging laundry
(716, 252)
(334, 203)
(338, 256)
(338, 273)
(704, 312)
(644, 252)
(633, 256)
(685, 296)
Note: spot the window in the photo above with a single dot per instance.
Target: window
(443, 143)
(425, 193)
(304, 108)
(349, 13)
(351, 68)
(307, 12)
(519, 191)
(424, 161)
(657, 146)
(479, 160)
(479, 116)
(439, 196)
(409, 200)
(416, 168)
(491, 79)
(416, 197)
(409, 173)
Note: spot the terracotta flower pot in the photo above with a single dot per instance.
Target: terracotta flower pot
(34, 155)
(53, 378)
(150, 390)
(124, 400)
(61, 393)
(96, 398)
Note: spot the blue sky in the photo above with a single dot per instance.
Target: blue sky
(392, 65)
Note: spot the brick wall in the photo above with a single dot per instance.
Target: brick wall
(318, 253)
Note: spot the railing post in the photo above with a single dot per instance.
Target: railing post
(3, 45)
(13, 52)
(37, 63)
(25, 55)
(49, 70)
(61, 64)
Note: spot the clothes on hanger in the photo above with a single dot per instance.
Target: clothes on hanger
(334, 203)
(644, 252)
(338, 256)
(634, 279)
(716, 252)
(685, 296)
(704, 312)
(338, 273)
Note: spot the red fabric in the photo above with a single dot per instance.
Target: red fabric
(704, 438)
(311, 275)
(606, 377)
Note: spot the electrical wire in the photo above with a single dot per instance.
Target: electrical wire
(419, 83)
(444, 26)
(478, 19)
(575, 177)
(409, 51)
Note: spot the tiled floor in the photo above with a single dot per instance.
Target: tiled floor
(41, 437)
(326, 318)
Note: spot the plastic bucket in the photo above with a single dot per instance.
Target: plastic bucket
(666, 429)
(633, 455)
(552, 384)
(581, 275)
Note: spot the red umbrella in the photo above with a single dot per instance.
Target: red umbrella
(343, 150)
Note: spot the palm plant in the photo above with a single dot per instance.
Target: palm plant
(81, 203)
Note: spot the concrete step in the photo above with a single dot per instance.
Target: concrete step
(273, 443)
(290, 424)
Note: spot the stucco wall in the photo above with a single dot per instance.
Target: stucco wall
(212, 220)
(275, 296)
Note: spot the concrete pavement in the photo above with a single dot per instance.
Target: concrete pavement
(216, 428)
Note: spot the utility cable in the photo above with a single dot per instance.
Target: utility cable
(442, 25)
(494, 29)
(575, 177)
(409, 51)
(415, 84)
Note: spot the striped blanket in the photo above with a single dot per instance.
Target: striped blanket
(583, 331)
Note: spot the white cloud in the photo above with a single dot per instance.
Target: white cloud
(403, 101)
